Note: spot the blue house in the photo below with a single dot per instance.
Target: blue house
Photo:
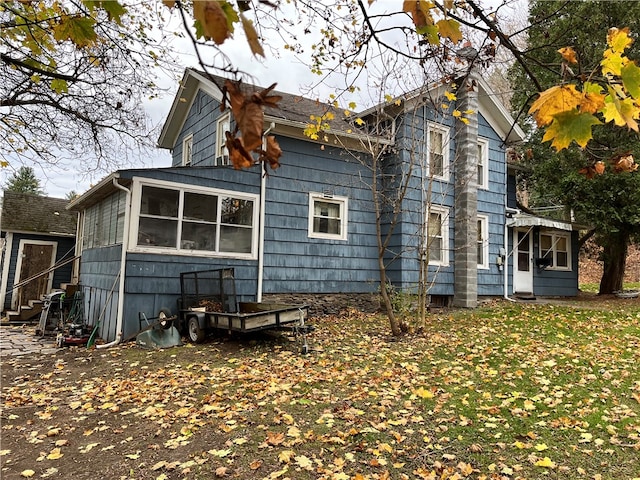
(306, 232)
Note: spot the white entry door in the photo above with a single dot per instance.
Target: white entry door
(523, 262)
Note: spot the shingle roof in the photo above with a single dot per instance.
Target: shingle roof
(23, 212)
(295, 108)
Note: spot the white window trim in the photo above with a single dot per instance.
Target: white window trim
(187, 150)
(343, 202)
(444, 215)
(554, 242)
(136, 197)
(484, 161)
(222, 156)
(484, 220)
(445, 147)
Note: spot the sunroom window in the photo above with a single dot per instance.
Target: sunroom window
(178, 219)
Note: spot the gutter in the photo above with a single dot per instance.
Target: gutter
(123, 258)
(262, 215)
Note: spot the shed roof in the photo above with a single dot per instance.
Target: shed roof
(24, 212)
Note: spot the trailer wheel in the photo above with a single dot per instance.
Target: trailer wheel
(196, 334)
(165, 313)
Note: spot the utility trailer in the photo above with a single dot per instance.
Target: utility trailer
(208, 302)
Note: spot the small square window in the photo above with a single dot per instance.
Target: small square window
(327, 216)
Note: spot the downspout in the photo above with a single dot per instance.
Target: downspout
(262, 215)
(123, 258)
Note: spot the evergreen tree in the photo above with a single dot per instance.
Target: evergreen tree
(610, 203)
(25, 181)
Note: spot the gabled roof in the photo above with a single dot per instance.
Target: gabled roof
(295, 110)
(23, 212)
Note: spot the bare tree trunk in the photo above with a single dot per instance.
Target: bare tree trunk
(615, 258)
(396, 331)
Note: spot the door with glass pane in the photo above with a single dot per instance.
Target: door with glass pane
(523, 262)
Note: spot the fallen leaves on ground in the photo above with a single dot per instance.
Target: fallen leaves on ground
(503, 392)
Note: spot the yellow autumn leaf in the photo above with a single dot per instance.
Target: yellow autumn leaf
(4, 452)
(457, 113)
(359, 121)
(87, 448)
(570, 126)
(27, 473)
(593, 98)
(541, 447)
(449, 28)
(546, 462)
(55, 454)
(423, 393)
(303, 461)
(621, 111)
(450, 96)
(612, 62)
(285, 456)
(561, 98)
(619, 39)
(585, 437)
(568, 54)
(388, 98)
(220, 453)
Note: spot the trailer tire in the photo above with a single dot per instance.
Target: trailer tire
(194, 332)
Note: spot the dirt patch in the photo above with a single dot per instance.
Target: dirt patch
(591, 266)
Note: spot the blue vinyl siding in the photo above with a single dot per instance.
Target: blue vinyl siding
(99, 271)
(201, 123)
(491, 202)
(293, 261)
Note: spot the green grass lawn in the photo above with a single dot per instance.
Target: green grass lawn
(507, 391)
(594, 287)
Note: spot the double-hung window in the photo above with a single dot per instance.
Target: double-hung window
(183, 219)
(438, 236)
(556, 249)
(483, 164)
(483, 241)
(327, 216)
(438, 147)
(187, 150)
(222, 125)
